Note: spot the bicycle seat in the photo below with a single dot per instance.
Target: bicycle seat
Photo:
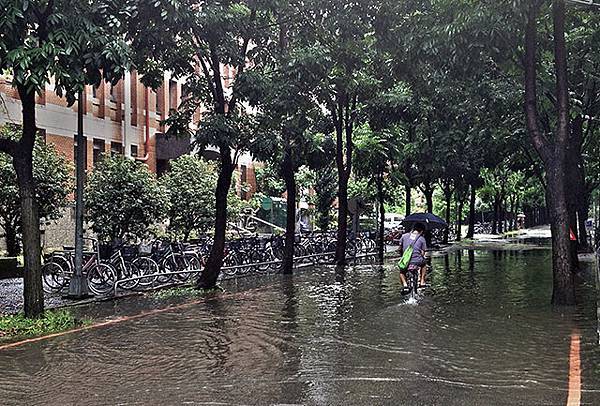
(68, 248)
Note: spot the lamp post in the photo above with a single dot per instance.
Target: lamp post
(78, 288)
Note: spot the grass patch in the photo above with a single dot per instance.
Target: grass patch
(14, 326)
(187, 291)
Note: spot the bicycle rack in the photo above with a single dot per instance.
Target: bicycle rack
(298, 263)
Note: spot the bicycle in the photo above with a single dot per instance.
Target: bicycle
(413, 277)
(124, 268)
(60, 266)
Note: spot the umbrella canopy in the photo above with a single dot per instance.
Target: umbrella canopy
(429, 220)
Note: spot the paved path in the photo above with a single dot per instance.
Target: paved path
(11, 296)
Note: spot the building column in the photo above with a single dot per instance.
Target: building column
(126, 123)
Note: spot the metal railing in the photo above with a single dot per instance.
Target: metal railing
(299, 262)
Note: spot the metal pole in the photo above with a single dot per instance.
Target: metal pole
(78, 288)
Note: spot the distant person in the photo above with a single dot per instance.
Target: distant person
(417, 260)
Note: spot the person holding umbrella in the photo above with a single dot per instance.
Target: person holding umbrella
(416, 240)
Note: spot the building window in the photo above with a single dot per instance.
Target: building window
(157, 99)
(113, 93)
(98, 150)
(173, 95)
(116, 148)
(95, 91)
(134, 151)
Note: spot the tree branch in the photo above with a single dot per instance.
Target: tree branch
(242, 62)
(539, 140)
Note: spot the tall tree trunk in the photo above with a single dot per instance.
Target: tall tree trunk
(208, 278)
(78, 288)
(459, 222)
(408, 199)
(578, 191)
(472, 201)
(583, 211)
(290, 224)
(501, 215)
(380, 229)
(13, 249)
(343, 121)
(428, 192)
(552, 152)
(342, 230)
(495, 218)
(448, 198)
(30, 218)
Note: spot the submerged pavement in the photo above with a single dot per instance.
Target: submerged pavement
(485, 334)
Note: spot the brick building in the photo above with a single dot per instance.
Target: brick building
(120, 119)
(123, 119)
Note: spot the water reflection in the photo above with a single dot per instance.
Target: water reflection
(484, 334)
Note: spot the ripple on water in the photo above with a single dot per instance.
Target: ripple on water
(485, 330)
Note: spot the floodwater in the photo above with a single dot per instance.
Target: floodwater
(485, 334)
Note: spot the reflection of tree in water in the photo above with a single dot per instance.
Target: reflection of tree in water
(337, 305)
(292, 391)
(215, 341)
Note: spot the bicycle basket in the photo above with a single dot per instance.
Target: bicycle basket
(145, 249)
(129, 251)
(105, 251)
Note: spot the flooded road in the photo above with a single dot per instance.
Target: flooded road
(485, 334)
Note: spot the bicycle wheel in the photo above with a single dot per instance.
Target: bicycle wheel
(186, 262)
(130, 271)
(196, 264)
(53, 277)
(147, 267)
(229, 261)
(414, 282)
(101, 279)
(259, 257)
(167, 265)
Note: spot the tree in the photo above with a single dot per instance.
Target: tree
(325, 192)
(73, 42)
(374, 155)
(52, 177)
(210, 42)
(124, 200)
(268, 180)
(344, 35)
(282, 91)
(552, 150)
(190, 184)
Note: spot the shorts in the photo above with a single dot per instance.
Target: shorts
(414, 266)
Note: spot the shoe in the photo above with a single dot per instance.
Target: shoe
(405, 290)
(425, 285)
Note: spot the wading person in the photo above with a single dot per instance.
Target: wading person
(416, 240)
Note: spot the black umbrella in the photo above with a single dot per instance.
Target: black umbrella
(429, 220)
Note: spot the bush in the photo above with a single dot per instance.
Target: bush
(190, 185)
(53, 181)
(123, 200)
